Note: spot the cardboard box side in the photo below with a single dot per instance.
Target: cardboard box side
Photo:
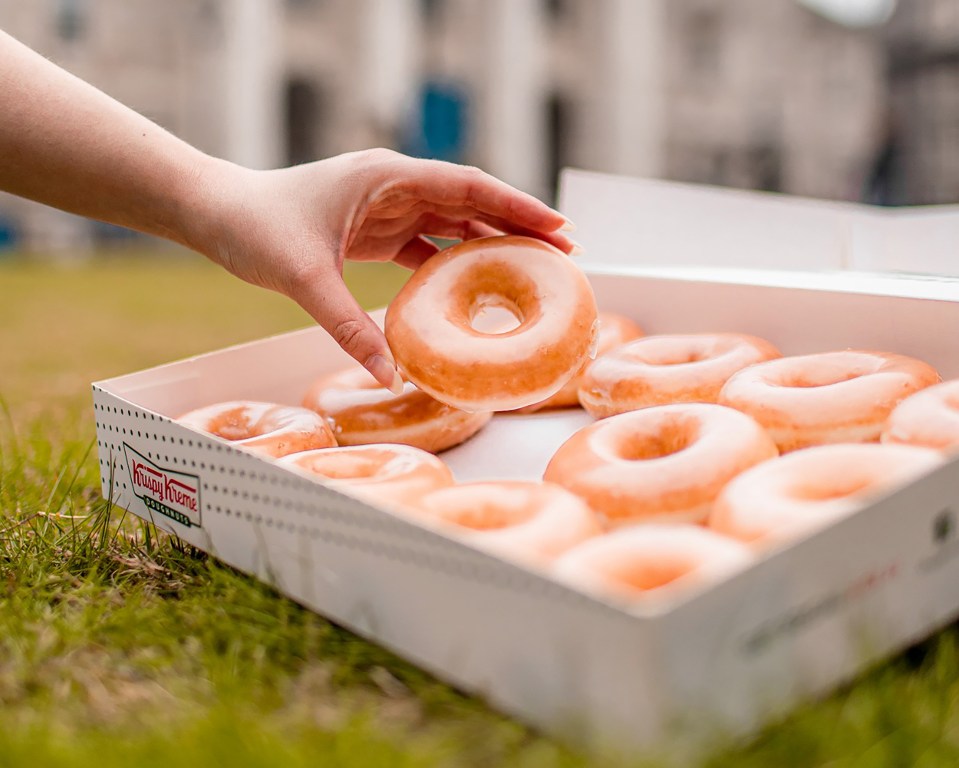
(627, 221)
(912, 240)
(624, 221)
(813, 614)
(345, 563)
(275, 369)
(532, 647)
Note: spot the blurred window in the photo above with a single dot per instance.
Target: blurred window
(558, 134)
(8, 233)
(304, 116)
(71, 19)
(431, 10)
(439, 122)
(556, 9)
(703, 41)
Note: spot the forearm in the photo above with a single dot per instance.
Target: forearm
(68, 145)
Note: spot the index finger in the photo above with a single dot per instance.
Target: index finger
(448, 184)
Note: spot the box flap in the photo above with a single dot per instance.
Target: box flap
(626, 221)
(921, 240)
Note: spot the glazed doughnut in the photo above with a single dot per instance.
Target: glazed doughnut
(267, 428)
(929, 418)
(661, 464)
(657, 370)
(362, 411)
(398, 474)
(614, 330)
(532, 522)
(429, 325)
(807, 489)
(638, 562)
(832, 397)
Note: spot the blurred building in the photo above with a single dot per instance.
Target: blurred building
(919, 161)
(774, 95)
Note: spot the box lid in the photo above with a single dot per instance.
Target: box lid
(649, 222)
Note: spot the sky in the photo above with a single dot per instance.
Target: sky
(854, 13)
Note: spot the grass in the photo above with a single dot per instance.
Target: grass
(120, 647)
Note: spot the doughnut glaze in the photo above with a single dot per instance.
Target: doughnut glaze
(391, 474)
(429, 324)
(658, 370)
(532, 522)
(362, 411)
(807, 489)
(928, 418)
(650, 561)
(661, 464)
(832, 397)
(267, 428)
(614, 330)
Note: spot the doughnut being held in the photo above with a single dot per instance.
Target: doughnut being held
(429, 324)
(663, 464)
(267, 428)
(394, 474)
(651, 560)
(791, 495)
(362, 411)
(928, 418)
(614, 330)
(531, 522)
(658, 370)
(832, 397)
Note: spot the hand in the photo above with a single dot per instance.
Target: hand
(291, 230)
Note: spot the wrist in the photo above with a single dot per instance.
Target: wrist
(206, 203)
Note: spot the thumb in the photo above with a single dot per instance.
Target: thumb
(327, 299)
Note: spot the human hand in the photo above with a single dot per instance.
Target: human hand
(290, 230)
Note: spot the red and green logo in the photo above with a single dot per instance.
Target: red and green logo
(173, 494)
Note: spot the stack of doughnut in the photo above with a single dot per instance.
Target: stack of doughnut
(705, 447)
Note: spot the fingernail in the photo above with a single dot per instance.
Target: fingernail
(385, 373)
(578, 250)
(568, 226)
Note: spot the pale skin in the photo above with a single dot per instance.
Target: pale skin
(68, 145)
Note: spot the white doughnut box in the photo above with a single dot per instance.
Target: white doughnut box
(668, 677)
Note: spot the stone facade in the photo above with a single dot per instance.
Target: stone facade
(766, 95)
(922, 139)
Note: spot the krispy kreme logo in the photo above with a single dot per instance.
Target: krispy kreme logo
(173, 494)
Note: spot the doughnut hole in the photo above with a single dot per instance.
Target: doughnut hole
(811, 491)
(831, 369)
(951, 400)
(694, 352)
(343, 466)
(494, 314)
(644, 575)
(486, 514)
(672, 436)
(498, 300)
(640, 562)
(393, 474)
